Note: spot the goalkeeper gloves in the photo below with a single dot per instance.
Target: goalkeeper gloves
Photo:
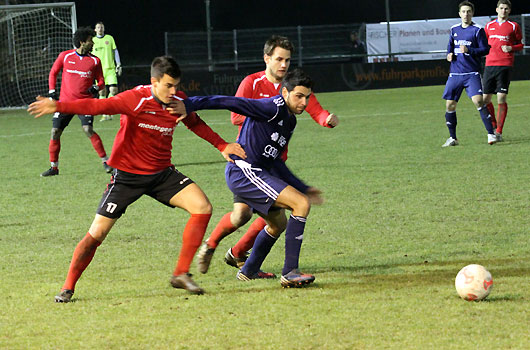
(53, 95)
(118, 70)
(93, 90)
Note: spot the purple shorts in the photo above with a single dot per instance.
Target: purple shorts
(256, 187)
(456, 84)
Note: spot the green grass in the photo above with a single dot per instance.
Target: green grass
(402, 216)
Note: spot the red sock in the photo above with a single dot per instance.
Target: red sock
(503, 110)
(98, 145)
(491, 110)
(54, 148)
(83, 254)
(191, 240)
(247, 241)
(223, 229)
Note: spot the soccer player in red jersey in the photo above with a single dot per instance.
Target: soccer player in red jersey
(79, 71)
(141, 158)
(504, 38)
(277, 56)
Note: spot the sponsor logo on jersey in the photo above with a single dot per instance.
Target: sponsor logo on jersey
(80, 73)
(163, 130)
(501, 37)
(462, 42)
(270, 152)
(275, 136)
(72, 62)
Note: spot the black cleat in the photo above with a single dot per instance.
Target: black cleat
(107, 168)
(204, 257)
(231, 260)
(296, 279)
(65, 296)
(50, 172)
(184, 281)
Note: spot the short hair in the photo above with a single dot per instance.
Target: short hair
(100, 23)
(82, 34)
(466, 3)
(504, 2)
(277, 41)
(296, 77)
(165, 65)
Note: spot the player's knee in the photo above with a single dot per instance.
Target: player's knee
(240, 216)
(276, 229)
(204, 207)
(88, 130)
(56, 133)
(302, 207)
(113, 90)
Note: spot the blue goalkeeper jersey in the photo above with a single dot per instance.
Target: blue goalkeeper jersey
(475, 39)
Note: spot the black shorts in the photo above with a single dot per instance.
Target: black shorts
(496, 79)
(61, 121)
(125, 188)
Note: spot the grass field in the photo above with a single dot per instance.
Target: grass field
(402, 216)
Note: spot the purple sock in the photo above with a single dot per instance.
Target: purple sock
(486, 119)
(261, 248)
(294, 235)
(450, 121)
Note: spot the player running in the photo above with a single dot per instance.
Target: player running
(263, 181)
(141, 157)
(277, 54)
(467, 44)
(504, 38)
(79, 71)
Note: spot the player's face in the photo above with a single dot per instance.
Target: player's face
(100, 29)
(86, 46)
(278, 63)
(466, 14)
(297, 99)
(165, 87)
(503, 11)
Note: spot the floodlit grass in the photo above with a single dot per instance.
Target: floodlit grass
(402, 216)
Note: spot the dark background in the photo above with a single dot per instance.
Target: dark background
(138, 26)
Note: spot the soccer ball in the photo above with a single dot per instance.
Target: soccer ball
(473, 282)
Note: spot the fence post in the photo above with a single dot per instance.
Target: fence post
(236, 62)
(387, 5)
(300, 47)
(209, 35)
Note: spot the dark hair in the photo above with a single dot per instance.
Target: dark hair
(100, 23)
(504, 2)
(82, 34)
(466, 3)
(165, 65)
(296, 77)
(277, 41)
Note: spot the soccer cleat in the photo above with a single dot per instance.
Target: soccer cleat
(231, 260)
(498, 135)
(296, 279)
(105, 118)
(184, 281)
(107, 168)
(204, 257)
(492, 139)
(450, 142)
(65, 296)
(265, 275)
(50, 172)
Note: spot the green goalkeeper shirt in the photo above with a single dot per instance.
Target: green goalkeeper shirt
(104, 49)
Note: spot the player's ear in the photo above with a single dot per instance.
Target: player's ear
(154, 80)
(285, 93)
(266, 58)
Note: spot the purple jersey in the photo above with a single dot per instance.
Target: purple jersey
(264, 134)
(475, 39)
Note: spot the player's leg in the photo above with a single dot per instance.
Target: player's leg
(489, 86)
(451, 95)
(88, 129)
(240, 249)
(228, 224)
(59, 123)
(473, 86)
(503, 84)
(111, 87)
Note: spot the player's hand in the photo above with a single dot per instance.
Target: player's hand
(176, 107)
(332, 120)
(464, 49)
(450, 57)
(506, 48)
(94, 91)
(53, 95)
(118, 70)
(42, 106)
(235, 149)
(313, 194)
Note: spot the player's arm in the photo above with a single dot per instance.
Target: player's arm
(201, 129)
(281, 169)
(98, 75)
(56, 68)
(517, 44)
(319, 114)
(244, 90)
(450, 48)
(482, 48)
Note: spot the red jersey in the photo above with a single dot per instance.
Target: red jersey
(144, 141)
(499, 34)
(79, 74)
(258, 86)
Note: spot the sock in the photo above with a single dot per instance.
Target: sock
(191, 240)
(98, 145)
(486, 118)
(83, 254)
(247, 241)
(54, 148)
(223, 229)
(260, 250)
(503, 110)
(294, 235)
(491, 109)
(104, 159)
(450, 121)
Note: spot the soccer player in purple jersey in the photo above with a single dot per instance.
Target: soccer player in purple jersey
(467, 44)
(262, 180)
